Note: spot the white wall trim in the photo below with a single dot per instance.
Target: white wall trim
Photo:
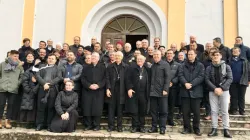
(105, 10)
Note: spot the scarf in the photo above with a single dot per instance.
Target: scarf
(223, 67)
(11, 65)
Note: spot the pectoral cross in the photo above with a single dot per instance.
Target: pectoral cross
(118, 77)
(140, 77)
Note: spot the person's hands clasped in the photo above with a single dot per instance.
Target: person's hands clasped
(108, 93)
(130, 93)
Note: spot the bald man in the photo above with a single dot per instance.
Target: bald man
(200, 47)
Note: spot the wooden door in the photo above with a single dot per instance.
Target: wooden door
(112, 38)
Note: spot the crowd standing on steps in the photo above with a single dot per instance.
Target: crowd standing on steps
(51, 87)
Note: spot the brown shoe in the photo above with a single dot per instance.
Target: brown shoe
(207, 118)
(7, 124)
(1, 124)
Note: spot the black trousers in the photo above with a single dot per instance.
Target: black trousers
(237, 99)
(173, 94)
(58, 125)
(159, 111)
(10, 97)
(79, 108)
(92, 121)
(45, 112)
(191, 105)
(206, 103)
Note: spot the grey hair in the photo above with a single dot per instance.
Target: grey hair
(96, 54)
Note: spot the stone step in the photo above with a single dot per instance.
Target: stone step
(23, 134)
(203, 110)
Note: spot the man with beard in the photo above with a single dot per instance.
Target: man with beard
(72, 71)
(244, 50)
(191, 77)
(174, 85)
(41, 61)
(11, 77)
(128, 54)
(137, 84)
(48, 79)
(159, 89)
(93, 82)
(116, 92)
(76, 45)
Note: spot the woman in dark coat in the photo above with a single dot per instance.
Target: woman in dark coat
(29, 62)
(25, 49)
(28, 103)
(66, 103)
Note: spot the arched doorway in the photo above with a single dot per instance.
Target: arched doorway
(127, 28)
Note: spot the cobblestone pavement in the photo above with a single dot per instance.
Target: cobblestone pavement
(28, 134)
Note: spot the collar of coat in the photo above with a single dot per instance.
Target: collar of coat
(160, 62)
(113, 64)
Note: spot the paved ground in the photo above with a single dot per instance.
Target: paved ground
(15, 133)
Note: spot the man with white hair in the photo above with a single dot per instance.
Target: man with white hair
(49, 48)
(128, 54)
(115, 92)
(93, 83)
(137, 84)
(115, 85)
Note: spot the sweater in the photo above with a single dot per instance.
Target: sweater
(237, 69)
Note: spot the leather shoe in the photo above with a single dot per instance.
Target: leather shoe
(186, 131)
(96, 128)
(227, 134)
(87, 128)
(142, 130)
(171, 123)
(39, 127)
(242, 113)
(119, 129)
(134, 129)
(162, 131)
(153, 130)
(49, 129)
(197, 133)
(213, 132)
(110, 129)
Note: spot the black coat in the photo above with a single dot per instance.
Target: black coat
(174, 67)
(66, 101)
(74, 48)
(27, 65)
(245, 52)
(226, 53)
(160, 79)
(132, 82)
(245, 77)
(200, 47)
(29, 90)
(128, 57)
(194, 76)
(76, 74)
(111, 77)
(225, 80)
(23, 52)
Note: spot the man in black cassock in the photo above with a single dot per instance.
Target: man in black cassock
(48, 79)
(137, 84)
(93, 82)
(159, 88)
(115, 84)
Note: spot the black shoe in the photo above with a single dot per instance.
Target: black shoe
(97, 128)
(233, 112)
(134, 129)
(197, 133)
(213, 132)
(186, 131)
(110, 129)
(153, 130)
(171, 123)
(88, 128)
(142, 130)
(119, 129)
(242, 113)
(162, 131)
(49, 129)
(227, 134)
(39, 127)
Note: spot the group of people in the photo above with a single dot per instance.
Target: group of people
(52, 86)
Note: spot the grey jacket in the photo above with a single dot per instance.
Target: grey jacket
(76, 74)
(10, 81)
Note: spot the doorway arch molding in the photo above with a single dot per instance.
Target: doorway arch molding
(105, 10)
